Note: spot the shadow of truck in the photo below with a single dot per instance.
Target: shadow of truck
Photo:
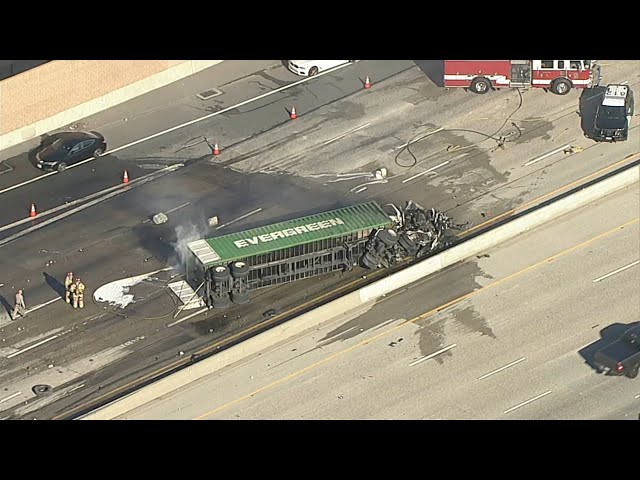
(434, 69)
(608, 335)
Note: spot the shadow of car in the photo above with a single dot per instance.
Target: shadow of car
(63, 150)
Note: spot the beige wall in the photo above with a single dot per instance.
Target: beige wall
(59, 85)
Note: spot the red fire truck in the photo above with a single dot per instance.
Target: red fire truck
(559, 76)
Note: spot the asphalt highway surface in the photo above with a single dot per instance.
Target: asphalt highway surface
(510, 335)
(90, 223)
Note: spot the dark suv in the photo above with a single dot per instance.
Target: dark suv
(613, 116)
(70, 149)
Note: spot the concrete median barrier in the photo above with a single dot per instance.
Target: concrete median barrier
(91, 99)
(227, 357)
(344, 305)
(500, 234)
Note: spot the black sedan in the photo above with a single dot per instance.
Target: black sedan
(69, 149)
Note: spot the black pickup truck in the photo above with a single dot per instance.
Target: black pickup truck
(621, 357)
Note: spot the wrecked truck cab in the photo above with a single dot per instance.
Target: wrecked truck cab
(227, 268)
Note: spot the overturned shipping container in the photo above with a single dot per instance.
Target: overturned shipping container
(228, 267)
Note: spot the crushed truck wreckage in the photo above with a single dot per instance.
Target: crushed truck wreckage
(416, 233)
(226, 269)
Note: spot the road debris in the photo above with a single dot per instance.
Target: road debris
(160, 218)
(41, 390)
(380, 174)
(416, 233)
(572, 149)
(269, 313)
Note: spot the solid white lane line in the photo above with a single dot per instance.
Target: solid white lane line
(169, 211)
(621, 269)
(27, 182)
(178, 207)
(73, 389)
(433, 354)
(353, 130)
(425, 172)
(242, 217)
(38, 307)
(79, 200)
(528, 401)
(60, 207)
(546, 155)
(10, 397)
(33, 346)
(187, 317)
(419, 138)
(126, 188)
(224, 110)
(186, 124)
(502, 368)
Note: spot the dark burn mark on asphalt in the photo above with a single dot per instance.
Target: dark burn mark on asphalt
(272, 79)
(431, 338)
(432, 331)
(472, 320)
(270, 145)
(346, 110)
(535, 128)
(443, 287)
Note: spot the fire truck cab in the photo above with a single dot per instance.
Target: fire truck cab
(559, 76)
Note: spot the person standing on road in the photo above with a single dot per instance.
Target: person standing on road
(78, 294)
(19, 306)
(68, 281)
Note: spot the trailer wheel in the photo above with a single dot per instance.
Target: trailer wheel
(369, 261)
(633, 373)
(480, 85)
(240, 298)
(388, 237)
(221, 302)
(239, 269)
(561, 86)
(408, 244)
(220, 273)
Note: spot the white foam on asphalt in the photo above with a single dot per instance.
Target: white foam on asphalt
(116, 293)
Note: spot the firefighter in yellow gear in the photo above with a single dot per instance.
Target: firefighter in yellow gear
(78, 294)
(68, 281)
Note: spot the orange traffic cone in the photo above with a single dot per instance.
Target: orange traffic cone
(32, 212)
(293, 113)
(216, 150)
(367, 82)
(125, 177)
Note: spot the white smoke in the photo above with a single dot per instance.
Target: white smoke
(184, 235)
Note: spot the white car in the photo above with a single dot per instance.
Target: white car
(309, 68)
